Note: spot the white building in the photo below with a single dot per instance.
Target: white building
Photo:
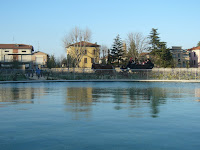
(20, 53)
(194, 54)
(39, 59)
(180, 57)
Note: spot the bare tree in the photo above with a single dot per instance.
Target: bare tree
(136, 44)
(87, 34)
(77, 39)
(104, 53)
(104, 50)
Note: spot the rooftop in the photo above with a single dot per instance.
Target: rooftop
(39, 52)
(194, 48)
(176, 47)
(16, 46)
(83, 43)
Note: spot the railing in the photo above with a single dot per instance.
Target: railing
(135, 74)
(104, 74)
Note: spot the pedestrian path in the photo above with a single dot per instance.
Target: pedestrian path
(36, 78)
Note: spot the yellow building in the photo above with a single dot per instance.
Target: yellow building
(85, 53)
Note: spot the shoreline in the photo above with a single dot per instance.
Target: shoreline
(117, 80)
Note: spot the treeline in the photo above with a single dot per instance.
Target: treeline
(134, 46)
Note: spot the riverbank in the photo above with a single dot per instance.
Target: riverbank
(115, 80)
(88, 75)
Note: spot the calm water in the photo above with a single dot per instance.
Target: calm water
(99, 116)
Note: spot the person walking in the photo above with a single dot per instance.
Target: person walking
(38, 71)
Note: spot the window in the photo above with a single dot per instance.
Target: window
(15, 50)
(85, 60)
(185, 55)
(92, 60)
(194, 62)
(85, 52)
(189, 54)
(94, 52)
(23, 51)
(178, 55)
(6, 51)
(194, 54)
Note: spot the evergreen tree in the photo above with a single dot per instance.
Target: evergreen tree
(162, 56)
(70, 61)
(154, 39)
(166, 56)
(117, 51)
(198, 43)
(51, 62)
(64, 62)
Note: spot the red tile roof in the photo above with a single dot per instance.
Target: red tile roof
(194, 48)
(16, 46)
(86, 44)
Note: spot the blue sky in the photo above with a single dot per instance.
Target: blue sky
(44, 23)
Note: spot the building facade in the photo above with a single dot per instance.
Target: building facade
(86, 53)
(194, 54)
(39, 59)
(180, 57)
(20, 53)
(23, 55)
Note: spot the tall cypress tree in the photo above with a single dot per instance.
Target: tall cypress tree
(154, 39)
(161, 54)
(117, 51)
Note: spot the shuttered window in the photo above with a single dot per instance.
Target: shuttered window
(85, 60)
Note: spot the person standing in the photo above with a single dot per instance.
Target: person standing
(38, 71)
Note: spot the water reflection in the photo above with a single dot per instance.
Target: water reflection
(81, 100)
(119, 115)
(137, 98)
(197, 93)
(17, 95)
